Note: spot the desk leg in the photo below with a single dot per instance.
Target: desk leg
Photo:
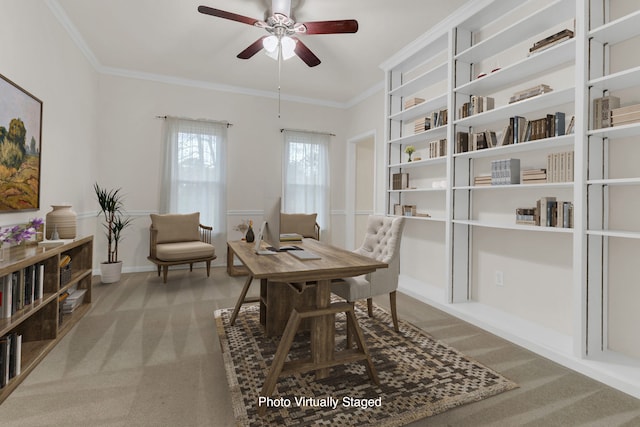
(241, 300)
(323, 329)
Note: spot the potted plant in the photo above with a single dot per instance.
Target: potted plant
(111, 207)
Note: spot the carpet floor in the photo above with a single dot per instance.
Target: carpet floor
(419, 376)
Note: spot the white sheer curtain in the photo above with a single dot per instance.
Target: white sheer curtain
(306, 175)
(194, 172)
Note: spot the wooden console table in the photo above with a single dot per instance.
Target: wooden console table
(334, 263)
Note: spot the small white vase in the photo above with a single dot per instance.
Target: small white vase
(61, 219)
(110, 272)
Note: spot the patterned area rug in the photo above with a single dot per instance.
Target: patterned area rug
(419, 376)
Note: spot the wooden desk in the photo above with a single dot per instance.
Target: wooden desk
(334, 263)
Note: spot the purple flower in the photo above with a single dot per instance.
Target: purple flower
(20, 233)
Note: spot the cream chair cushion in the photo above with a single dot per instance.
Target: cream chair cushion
(184, 250)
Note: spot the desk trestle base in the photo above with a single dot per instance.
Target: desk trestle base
(281, 368)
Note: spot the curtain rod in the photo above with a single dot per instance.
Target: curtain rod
(308, 131)
(224, 122)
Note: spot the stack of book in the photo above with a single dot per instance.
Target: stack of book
(529, 93)
(625, 115)
(526, 216)
(476, 105)
(560, 167)
(550, 41)
(482, 180)
(421, 125)
(534, 176)
(437, 148)
(412, 102)
(72, 301)
(505, 171)
(602, 108)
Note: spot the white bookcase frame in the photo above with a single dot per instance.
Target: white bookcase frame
(586, 349)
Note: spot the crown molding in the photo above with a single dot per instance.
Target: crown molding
(76, 37)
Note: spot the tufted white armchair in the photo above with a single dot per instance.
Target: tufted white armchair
(381, 242)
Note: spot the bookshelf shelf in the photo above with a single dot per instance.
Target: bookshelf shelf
(428, 78)
(530, 26)
(428, 135)
(521, 71)
(513, 226)
(38, 323)
(421, 110)
(546, 102)
(614, 233)
(419, 190)
(617, 31)
(519, 187)
(540, 144)
(419, 163)
(617, 81)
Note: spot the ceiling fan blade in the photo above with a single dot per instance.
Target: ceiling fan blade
(305, 53)
(253, 48)
(331, 27)
(227, 15)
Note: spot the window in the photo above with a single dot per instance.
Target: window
(306, 174)
(195, 172)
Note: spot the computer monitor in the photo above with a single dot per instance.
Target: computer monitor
(271, 233)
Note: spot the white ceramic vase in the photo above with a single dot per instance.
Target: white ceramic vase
(61, 219)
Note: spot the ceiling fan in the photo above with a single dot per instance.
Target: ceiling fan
(282, 28)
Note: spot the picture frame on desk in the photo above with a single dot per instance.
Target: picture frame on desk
(20, 138)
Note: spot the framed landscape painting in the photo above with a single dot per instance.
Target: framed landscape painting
(20, 135)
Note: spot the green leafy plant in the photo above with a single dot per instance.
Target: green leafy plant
(112, 208)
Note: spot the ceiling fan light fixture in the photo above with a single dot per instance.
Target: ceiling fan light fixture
(270, 44)
(288, 46)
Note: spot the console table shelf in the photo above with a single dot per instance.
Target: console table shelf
(40, 323)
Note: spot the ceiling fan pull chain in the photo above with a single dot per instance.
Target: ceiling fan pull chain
(279, 72)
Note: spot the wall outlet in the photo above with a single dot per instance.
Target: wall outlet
(499, 278)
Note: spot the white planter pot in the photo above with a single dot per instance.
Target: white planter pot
(110, 272)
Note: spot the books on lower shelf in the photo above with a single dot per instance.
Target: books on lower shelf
(21, 288)
(625, 115)
(10, 357)
(602, 108)
(548, 212)
(73, 301)
(505, 171)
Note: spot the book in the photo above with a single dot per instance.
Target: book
(462, 142)
(400, 181)
(571, 125)
(290, 237)
(560, 35)
(505, 171)
(602, 111)
(544, 206)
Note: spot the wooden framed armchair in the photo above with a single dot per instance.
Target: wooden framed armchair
(303, 224)
(176, 239)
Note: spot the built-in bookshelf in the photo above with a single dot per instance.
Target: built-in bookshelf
(34, 287)
(542, 64)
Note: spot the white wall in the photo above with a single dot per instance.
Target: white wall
(129, 148)
(38, 55)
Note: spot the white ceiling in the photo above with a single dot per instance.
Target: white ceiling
(171, 39)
